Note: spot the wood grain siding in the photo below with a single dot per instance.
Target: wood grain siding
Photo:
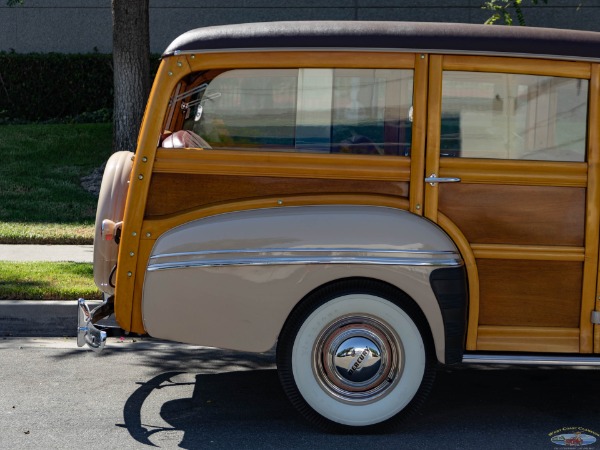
(540, 293)
(528, 339)
(519, 215)
(175, 193)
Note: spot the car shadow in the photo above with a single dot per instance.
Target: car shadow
(469, 406)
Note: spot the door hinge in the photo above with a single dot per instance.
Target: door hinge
(596, 317)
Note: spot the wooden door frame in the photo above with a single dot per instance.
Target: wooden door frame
(571, 175)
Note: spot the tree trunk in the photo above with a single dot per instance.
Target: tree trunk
(131, 63)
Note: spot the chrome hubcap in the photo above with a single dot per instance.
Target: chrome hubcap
(358, 359)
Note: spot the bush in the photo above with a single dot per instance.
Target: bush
(57, 87)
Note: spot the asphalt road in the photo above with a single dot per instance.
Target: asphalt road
(142, 394)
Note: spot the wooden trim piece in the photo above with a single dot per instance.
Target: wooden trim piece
(528, 339)
(419, 133)
(274, 164)
(524, 66)
(432, 158)
(283, 59)
(529, 173)
(144, 251)
(590, 273)
(528, 252)
(169, 73)
(472, 277)
(152, 229)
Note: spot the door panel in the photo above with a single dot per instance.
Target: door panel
(518, 215)
(525, 202)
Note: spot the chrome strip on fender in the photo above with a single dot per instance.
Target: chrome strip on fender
(278, 256)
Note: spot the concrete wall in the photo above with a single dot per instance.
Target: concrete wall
(74, 26)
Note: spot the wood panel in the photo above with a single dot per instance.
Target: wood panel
(530, 293)
(526, 173)
(530, 339)
(155, 227)
(590, 296)
(419, 133)
(173, 193)
(279, 164)
(517, 65)
(529, 252)
(520, 215)
(327, 59)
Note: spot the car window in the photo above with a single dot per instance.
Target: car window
(513, 116)
(354, 111)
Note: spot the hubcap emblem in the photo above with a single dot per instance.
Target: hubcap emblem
(357, 359)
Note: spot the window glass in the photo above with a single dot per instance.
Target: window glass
(511, 116)
(357, 111)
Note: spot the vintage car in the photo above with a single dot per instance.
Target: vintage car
(372, 199)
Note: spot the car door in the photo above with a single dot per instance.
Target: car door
(512, 175)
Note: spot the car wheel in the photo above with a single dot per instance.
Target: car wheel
(354, 357)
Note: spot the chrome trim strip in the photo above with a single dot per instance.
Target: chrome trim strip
(308, 250)
(279, 256)
(550, 360)
(265, 261)
(384, 50)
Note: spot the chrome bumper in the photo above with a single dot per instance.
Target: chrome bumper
(87, 333)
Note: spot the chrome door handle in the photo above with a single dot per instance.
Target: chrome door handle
(433, 180)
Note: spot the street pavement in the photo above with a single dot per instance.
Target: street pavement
(39, 317)
(141, 394)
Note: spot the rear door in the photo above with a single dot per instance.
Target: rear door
(512, 176)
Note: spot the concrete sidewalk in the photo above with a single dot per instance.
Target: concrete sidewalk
(73, 253)
(34, 318)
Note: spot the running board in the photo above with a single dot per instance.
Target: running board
(550, 360)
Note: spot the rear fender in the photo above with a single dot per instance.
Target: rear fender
(231, 280)
(111, 206)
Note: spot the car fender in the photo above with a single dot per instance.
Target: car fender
(231, 280)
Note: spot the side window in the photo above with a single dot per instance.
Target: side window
(356, 111)
(511, 116)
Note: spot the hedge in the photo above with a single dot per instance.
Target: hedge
(49, 86)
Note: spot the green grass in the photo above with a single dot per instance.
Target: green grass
(41, 198)
(47, 281)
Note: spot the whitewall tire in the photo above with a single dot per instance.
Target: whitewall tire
(353, 357)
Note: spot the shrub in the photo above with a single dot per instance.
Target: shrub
(55, 86)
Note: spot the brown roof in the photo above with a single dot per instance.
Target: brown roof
(438, 37)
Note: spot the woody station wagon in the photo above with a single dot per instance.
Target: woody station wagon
(372, 198)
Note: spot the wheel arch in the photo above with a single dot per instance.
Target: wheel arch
(443, 322)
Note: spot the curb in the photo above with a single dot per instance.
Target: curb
(39, 318)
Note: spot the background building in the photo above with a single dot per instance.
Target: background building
(82, 26)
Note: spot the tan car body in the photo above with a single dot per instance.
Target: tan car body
(239, 275)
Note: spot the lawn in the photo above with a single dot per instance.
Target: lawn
(41, 197)
(47, 281)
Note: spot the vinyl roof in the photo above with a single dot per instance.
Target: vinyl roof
(402, 36)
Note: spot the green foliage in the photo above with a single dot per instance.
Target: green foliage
(503, 11)
(41, 197)
(47, 281)
(72, 88)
